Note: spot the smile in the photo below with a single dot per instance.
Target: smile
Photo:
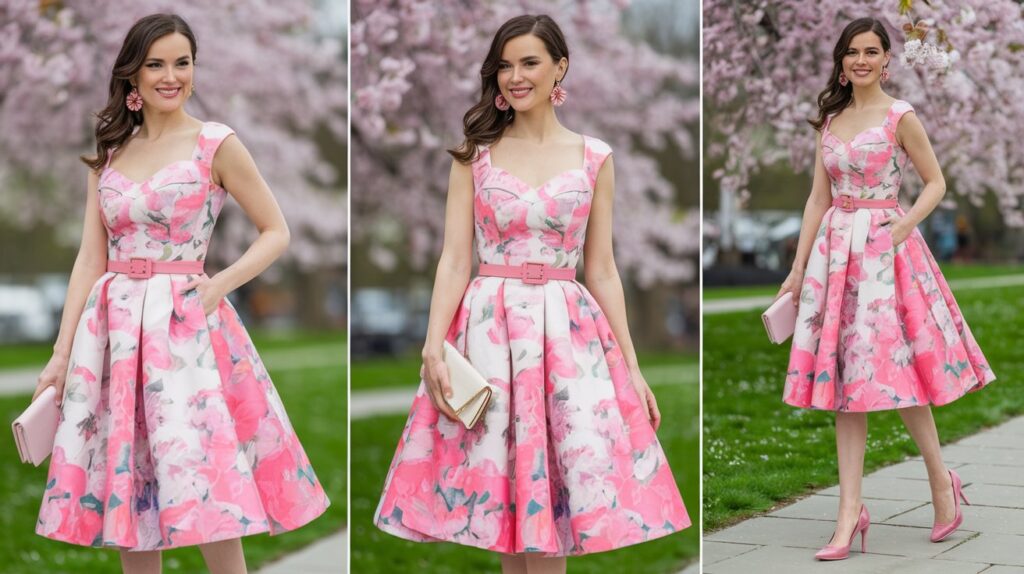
(169, 92)
(519, 92)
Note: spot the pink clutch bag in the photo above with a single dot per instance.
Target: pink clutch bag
(780, 319)
(35, 428)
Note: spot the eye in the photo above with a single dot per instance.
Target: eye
(504, 66)
(153, 65)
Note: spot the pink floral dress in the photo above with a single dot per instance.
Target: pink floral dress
(171, 432)
(564, 462)
(877, 326)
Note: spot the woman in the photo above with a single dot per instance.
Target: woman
(171, 432)
(565, 460)
(877, 325)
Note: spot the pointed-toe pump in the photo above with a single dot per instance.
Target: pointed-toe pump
(941, 531)
(829, 552)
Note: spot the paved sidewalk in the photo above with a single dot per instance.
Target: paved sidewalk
(398, 400)
(991, 464)
(326, 556)
(736, 304)
(23, 380)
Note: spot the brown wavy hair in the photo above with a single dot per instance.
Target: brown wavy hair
(835, 97)
(484, 123)
(116, 122)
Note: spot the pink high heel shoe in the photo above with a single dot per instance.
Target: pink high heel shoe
(829, 552)
(941, 531)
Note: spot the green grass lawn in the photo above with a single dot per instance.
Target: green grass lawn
(378, 373)
(316, 402)
(949, 270)
(25, 355)
(373, 445)
(759, 452)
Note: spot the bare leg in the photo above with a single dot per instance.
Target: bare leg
(224, 557)
(513, 564)
(541, 565)
(851, 440)
(140, 562)
(921, 425)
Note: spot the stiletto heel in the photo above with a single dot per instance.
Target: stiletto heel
(964, 498)
(829, 552)
(941, 531)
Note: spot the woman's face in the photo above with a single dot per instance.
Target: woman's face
(864, 59)
(165, 79)
(527, 73)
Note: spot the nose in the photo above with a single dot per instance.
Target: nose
(516, 76)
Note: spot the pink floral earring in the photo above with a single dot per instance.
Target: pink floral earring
(558, 94)
(133, 100)
(885, 74)
(842, 79)
(501, 103)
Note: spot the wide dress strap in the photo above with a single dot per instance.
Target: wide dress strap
(595, 152)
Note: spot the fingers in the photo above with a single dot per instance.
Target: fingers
(40, 387)
(655, 413)
(191, 285)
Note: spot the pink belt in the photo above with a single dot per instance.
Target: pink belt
(143, 268)
(531, 273)
(850, 203)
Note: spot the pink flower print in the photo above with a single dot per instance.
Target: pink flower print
(188, 318)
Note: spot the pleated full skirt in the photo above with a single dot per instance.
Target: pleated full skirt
(878, 327)
(171, 432)
(565, 462)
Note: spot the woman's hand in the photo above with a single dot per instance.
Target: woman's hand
(646, 397)
(898, 230)
(793, 284)
(54, 374)
(210, 291)
(435, 374)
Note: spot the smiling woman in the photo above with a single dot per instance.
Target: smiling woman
(565, 460)
(171, 432)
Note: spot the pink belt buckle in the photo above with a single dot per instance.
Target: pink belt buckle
(140, 268)
(846, 203)
(533, 274)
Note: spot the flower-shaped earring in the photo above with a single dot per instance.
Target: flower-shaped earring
(133, 101)
(842, 79)
(501, 103)
(885, 74)
(558, 94)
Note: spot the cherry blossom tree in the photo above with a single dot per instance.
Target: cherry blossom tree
(415, 71)
(960, 64)
(269, 70)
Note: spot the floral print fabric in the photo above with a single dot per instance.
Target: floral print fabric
(171, 432)
(564, 461)
(877, 326)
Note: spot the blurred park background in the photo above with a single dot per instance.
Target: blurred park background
(633, 81)
(764, 64)
(276, 73)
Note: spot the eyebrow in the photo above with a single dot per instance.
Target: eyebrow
(523, 59)
(186, 56)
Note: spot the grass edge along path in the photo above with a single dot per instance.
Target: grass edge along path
(760, 453)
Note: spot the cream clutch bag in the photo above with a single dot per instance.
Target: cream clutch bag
(780, 319)
(35, 428)
(470, 391)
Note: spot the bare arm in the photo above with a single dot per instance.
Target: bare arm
(90, 265)
(603, 282)
(817, 204)
(234, 170)
(911, 135)
(450, 281)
